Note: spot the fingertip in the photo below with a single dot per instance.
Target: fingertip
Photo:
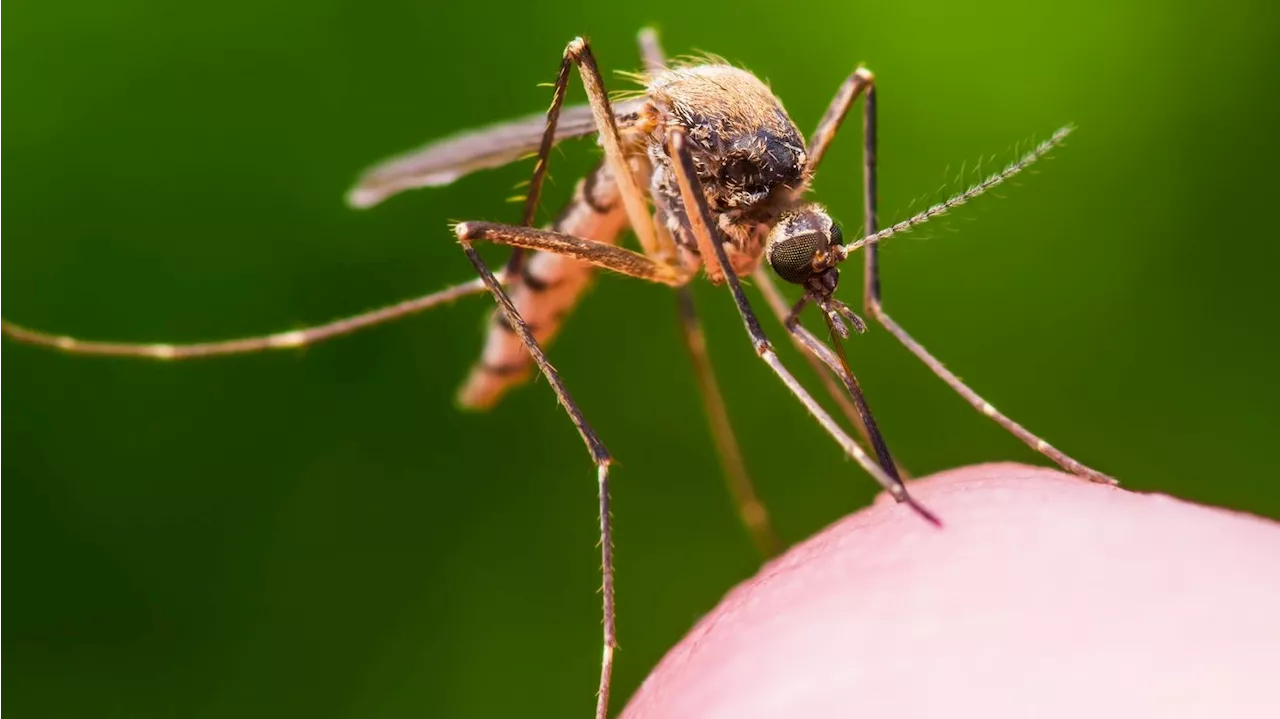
(1042, 595)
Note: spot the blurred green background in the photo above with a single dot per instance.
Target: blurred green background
(321, 533)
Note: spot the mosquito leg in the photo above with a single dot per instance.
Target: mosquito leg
(874, 307)
(655, 60)
(701, 225)
(814, 347)
(534, 193)
(778, 304)
(610, 257)
(599, 455)
(752, 511)
(633, 198)
(820, 140)
(280, 340)
(744, 494)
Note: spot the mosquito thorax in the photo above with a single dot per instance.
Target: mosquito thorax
(749, 155)
(799, 247)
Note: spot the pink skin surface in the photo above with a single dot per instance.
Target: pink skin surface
(1042, 596)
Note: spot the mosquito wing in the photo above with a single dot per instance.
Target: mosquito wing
(443, 161)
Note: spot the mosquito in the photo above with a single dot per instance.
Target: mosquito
(710, 174)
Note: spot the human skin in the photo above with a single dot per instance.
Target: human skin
(1041, 596)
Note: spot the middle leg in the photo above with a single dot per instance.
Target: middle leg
(599, 254)
(636, 265)
(599, 455)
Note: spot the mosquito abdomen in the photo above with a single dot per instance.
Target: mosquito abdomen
(545, 291)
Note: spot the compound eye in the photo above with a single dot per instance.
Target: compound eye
(792, 258)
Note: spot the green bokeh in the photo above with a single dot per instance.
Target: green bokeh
(321, 533)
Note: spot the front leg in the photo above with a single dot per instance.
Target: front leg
(875, 307)
(702, 227)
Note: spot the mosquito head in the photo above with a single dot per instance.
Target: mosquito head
(803, 248)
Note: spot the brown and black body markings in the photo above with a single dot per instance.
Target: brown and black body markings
(752, 163)
(545, 291)
(751, 158)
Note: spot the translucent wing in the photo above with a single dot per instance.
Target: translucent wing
(443, 161)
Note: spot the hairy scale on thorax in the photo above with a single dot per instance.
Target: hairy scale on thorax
(750, 157)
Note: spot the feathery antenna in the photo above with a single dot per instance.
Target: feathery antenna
(955, 201)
